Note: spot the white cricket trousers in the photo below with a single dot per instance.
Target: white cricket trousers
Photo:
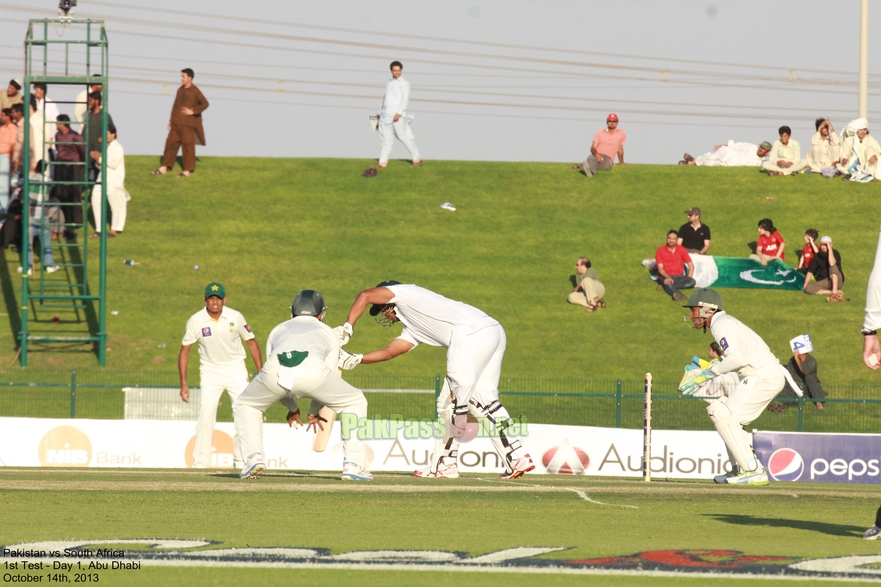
(753, 393)
(117, 201)
(315, 382)
(213, 381)
(400, 129)
(474, 361)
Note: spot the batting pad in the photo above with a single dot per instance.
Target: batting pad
(733, 435)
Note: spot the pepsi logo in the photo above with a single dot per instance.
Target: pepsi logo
(565, 460)
(786, 465)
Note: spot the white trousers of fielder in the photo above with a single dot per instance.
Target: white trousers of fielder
(318, 384)
(213, 381)
(388, 131)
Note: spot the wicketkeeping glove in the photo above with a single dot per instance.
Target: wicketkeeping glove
(690, 386)
(348, 361)
(345, 332)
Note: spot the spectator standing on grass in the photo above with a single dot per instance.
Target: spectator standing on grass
(12, 95)
(607, 143)
(185, 129)
(824, 275)
(18, 150)
(810, 249)
(588, 290)
(71, 149)
(117, 195)
(872, 348)
(825, 145)
(785, 156)
(770, 245)
(93, 128)
(48, 108)
(219, 331)
(81, 109)
(7, 133)
(39, 146)
(694, 235)
(675, 267)
(394, 121)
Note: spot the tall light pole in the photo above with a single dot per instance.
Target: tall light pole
(864, 59)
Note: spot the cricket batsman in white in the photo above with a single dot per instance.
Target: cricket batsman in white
(301, 361)
(475, 346)
(761, 379)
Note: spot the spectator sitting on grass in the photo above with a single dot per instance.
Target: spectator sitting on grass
(694, 235)
(770, 245)
(824, 275)
(785, 157)
(859, 152)
(810, 249)
(803, 369)
(731, 154)
(675, 268)
(588, 290)
(824, 147)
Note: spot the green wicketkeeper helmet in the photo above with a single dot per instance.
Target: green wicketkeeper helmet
(707, 300)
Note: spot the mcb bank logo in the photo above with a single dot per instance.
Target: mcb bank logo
(565, 460)
(65, 446)
(786, 465)
(222, 451)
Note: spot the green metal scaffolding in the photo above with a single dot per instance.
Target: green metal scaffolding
(76, 54)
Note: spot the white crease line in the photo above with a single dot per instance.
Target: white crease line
(580, 493)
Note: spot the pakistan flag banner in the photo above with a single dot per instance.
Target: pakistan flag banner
(739, 272)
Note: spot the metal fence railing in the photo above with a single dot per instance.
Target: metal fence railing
(99, 394)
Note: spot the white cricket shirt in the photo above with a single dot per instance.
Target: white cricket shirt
(743, 350)
(219, 341)
(429, 317)
(305, 333)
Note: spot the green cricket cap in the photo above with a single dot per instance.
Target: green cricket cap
(215, 289)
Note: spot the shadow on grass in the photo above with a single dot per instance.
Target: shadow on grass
(821, 527)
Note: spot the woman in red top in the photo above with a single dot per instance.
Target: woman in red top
(770, 245)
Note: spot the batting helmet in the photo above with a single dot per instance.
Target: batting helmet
(377, 308)
(308, 303)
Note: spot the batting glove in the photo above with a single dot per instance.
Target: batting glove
(348, 361)
(345, 332)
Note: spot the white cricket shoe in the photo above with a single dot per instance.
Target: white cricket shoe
(873, 533)
(253, 467)
(723, 479)
(749, 478)
(353, 472)
(518, 468)
(444, 471)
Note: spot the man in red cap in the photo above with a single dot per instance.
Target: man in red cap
(606, 144)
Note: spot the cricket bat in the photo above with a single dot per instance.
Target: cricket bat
(323, 436)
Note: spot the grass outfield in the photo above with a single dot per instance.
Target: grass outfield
(703, 527)
(267, 228)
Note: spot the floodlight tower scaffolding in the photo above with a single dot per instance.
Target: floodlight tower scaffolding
(76, 54)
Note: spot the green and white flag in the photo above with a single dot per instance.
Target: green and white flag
(739, 272)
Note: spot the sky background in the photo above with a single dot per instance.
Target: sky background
(506, 80)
